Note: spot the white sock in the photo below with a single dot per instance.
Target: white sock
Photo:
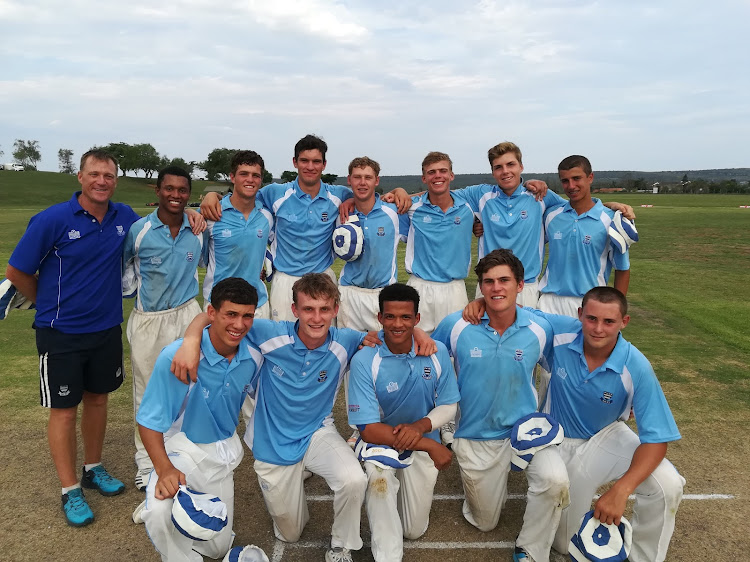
(90, 466)
(69, 488)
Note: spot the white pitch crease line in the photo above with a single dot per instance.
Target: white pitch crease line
(425, 545)
(452, 497)
(278, 551)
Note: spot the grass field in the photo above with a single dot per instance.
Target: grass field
(690, 316)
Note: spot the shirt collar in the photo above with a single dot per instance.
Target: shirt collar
(213, 357)
(226, 204)
(616, 360)
(322, 192)
(594, 211)
(76, 206)
(383, 350)
(523, 318)
(520, 190)
(154, 218)
(300, 346)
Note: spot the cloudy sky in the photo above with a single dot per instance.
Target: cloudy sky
(632, 84)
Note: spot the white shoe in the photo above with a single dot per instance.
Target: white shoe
(446, 433)
(137, 519)
(338, 554)
(141, 478)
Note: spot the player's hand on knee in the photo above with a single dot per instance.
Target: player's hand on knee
(610, 507)
(168, 483)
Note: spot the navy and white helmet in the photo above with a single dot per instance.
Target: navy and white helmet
(349, 239)
(532, 433)
(622, 232)
(250, 553)
(599, 542)
(382, 455)
(198, 516)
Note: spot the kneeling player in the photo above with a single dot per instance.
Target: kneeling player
(202, 449)
(495, 364)
(597, 377)
(399, 399)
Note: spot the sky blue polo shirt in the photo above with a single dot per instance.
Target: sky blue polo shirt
(512, 222)
(580, 254)
(584, 403)
(80, 265)
(376, 267)
(399, 388)
(235, 247)
(304, 225)
(438, 245)
(213, 403)
(166, 268)
(296, 388)
(495, 373)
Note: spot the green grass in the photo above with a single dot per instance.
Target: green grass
(688, 293)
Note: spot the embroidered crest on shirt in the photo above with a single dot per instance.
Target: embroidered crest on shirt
(381, 231)
(189, 256)
(427, 219)
(120, 230)
(457, 220)
(495, 218)
(226, 233)
(276, 370)
(558, 235)
(524, 215)
(322, 376)
(324, 216)
(518, 355)
(606, 397)
(259, 234)
(427, 373)
(74, 235)
(587, 239)
(155, 260)
(205, 393)
(392, 386)
(561, 372)
(476, 352)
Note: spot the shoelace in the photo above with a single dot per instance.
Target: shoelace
(101, 475)
(75, 501)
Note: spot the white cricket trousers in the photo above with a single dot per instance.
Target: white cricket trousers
(359, 309)
(528, 297)
(438, 300)
(208, 468)
(281, 295)
(398, 505)
(148, 333)
(556, 304)
(484, 467)
(329, 456)
(606, 457)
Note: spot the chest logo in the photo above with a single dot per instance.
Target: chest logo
(278, 371)
(562, 373)
(322, 376)
(324, 217)
(495, 218)
(476, 352)
(427, 219)
(120, 230)
(189, 256)
(587, 239)
(74, 235)
(226, 233)
(392, 387)
(259, 234)
(524, 215)
(518, 355)
(381, 231)
(558, 235)
(427, 373)
(606, 397)
(205, 393)
(457, 220)
(155, 260)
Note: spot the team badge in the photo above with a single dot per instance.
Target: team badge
(155, 260)
(392, 387)
(476, 352)
(606, 397)
(278, 371)
(518, 355)
(120, 230)
(427, 373)
(74, 235)
(495, 218)
(381, 231)
(324, 217)
(524, 215)
(562, 373)
(427, 219)
(259, 234)
(587, 239)
(322, 376)
(189, 256)
(205, 392)
(457, 220)
(226, 233)
(558, 235)
(64, 390)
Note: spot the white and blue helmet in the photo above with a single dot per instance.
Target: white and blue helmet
(532, 433)
(622, 232)
(250, 553)
(197, 515)
(268, 268)
(348, 239)
(11, 299)
(599, 542)
(382, 455)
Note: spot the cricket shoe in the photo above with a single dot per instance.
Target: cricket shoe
(99, 479)
(76, 509)
(338, 554)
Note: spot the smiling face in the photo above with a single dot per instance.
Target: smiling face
(363, 182)
(576, 184)
(398, 320)
(315, 318)
(506, 170)
(438, 177)
(601, 324)
(229, 324)
(98, 179)
(310, 165)
(500, 288)
(247, 180)
(173, 194)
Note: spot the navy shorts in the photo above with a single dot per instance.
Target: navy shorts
(72, 363)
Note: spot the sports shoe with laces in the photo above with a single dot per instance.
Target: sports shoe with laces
(520, 555)
(446, 433)
(99, 479)
(76, 509)
(141, 478)
(338, 554)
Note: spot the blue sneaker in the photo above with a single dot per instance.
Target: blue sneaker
(520, 555)
(99, 479)
(77, 511)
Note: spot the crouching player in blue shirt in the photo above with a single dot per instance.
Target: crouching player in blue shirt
(189, 430)
(597, 377)
(399, 399)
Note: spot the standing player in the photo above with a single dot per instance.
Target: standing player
(580, 253)
(495, 362)
(597, 378)
(202, 448)
(76, 248)
(399, 399)
(236, 243)
(163, 254)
